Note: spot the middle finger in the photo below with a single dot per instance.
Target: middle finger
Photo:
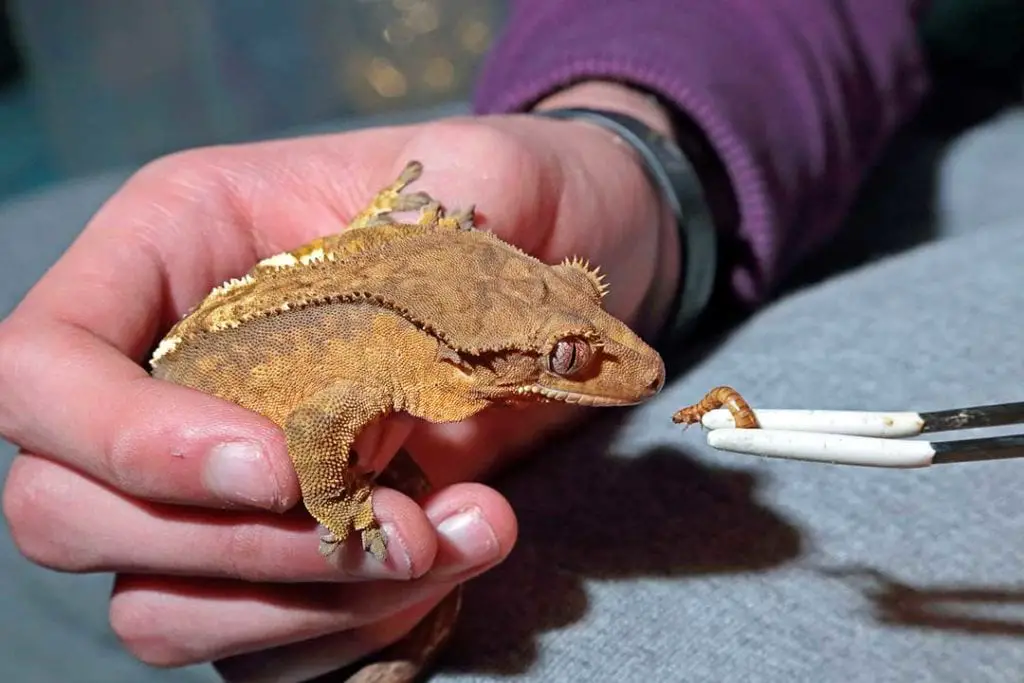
(74, 523)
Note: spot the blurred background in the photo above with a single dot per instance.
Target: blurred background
(89, 85)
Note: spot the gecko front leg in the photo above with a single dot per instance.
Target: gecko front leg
(320, 434)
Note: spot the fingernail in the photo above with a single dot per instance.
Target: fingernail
(238, 472)
(469, 541)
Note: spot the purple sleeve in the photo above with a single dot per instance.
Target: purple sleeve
(796, 97)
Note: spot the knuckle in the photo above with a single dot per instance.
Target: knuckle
(18, 509)
(193, 172)
(182, 164)
(14, 347)
(32, 508)
(244, 549)
(124, 454)
(138, 624)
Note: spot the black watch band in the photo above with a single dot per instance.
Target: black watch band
(669, 169)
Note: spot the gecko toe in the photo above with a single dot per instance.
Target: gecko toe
(328, 544)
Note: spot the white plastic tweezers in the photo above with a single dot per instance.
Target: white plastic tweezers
(869, 439)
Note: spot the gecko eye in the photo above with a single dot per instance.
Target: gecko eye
(569, 356)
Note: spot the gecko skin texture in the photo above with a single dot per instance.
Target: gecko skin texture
(435, 318)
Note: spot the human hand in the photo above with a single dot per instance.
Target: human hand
(184, 496)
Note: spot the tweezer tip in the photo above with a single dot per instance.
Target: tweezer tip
(837, 449)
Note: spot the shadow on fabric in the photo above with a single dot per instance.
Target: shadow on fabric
(965, 609)
(588, 514)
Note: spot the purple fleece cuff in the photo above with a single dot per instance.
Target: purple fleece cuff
(796, 97)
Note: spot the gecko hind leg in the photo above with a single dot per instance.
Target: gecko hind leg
(391, 199)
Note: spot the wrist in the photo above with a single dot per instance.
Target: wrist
(621, 98)
(615, 97)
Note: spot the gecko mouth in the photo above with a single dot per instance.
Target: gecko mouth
(577, 398)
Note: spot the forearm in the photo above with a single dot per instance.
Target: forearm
(796, 98)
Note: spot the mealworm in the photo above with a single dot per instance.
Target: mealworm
(719, 397)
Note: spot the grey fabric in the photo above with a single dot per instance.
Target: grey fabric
(645, 555)
(658, 559)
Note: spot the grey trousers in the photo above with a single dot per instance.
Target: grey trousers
(645, 555)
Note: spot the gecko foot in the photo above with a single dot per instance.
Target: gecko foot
(409, 202)
(391, 199)
(461, 221)
(465, 219)
(374, 540)
(352, 511)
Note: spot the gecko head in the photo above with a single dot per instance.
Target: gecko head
(554, 340)
(583, 354)
(589, 356)
(596, 361)
(607, 365)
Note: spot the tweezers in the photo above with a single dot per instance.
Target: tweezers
(869, 438)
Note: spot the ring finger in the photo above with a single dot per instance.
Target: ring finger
(178, 622)
(308, 659)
